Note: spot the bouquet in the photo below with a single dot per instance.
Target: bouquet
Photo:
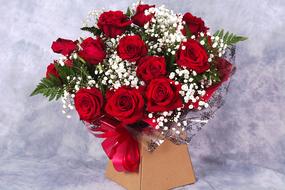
(145, 73)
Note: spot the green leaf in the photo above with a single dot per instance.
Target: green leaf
(221, 33)
(49, 87)
(229, 38)
(129, 12)
(64, 71)
(226, 35)
(170, 62)
(216, 33)
(93, 30)
(188, 32)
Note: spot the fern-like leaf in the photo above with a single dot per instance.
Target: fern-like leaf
(49, 87)
(93, 30)
(229, 38)
(129, 12)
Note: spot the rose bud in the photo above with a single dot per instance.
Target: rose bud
(93, 51)
(51, 70)
(64, 46)
(194, 24)
(140, 18)
(113, 23)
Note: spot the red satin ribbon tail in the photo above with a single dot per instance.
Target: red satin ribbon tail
(119, 145)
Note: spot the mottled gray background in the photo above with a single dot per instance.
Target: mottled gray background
(242, 148)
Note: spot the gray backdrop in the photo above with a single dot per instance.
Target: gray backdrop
(243, 147)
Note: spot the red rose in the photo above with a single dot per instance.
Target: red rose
(88, 103)
(64, 46)
(131, 48)
(224, 68)
(195, 24)
(140, 18)
(93, 51)
(51, 70)
(193, 56)
(163, 95)
(151, 67)
(113, 23)
(126, 105)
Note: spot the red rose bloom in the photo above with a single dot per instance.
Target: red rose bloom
(192, 56)
(93, 51)
(126, 105)
(131, 48)
(88, 103)
(224, 68)
(151, 67)
(51, 70)
(195, 24)
(113, 23)
(140, 18)
(64, 46)
(163, 95)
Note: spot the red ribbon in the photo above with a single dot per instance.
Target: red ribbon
(119, 144)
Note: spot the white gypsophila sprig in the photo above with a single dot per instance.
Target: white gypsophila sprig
(67, 104)
(191, 91)
(92, 18)
(163, 119)
(165, 28)
(219, 45)
(118, 72)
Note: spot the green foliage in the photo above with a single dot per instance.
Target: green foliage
(211, 75)
(93, 30)
(188, 32)
(170, 62)
(129, 12)
(229, 38)
(78, 69)
(64, 71)
(51, 88)
(54, 87)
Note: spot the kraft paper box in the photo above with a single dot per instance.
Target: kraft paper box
(167, 167)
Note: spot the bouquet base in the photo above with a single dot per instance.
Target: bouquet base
(169, 166)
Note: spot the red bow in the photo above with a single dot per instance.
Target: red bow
(119, 144)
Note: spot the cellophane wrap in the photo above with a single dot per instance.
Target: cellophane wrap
(196, 119)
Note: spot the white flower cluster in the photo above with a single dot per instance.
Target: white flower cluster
(190, 90)
(166, 28)
(163, 119)
(119, 73)
(67, 104)
(91, 19)
(219, 44)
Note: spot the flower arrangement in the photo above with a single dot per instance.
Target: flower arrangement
(139, 73)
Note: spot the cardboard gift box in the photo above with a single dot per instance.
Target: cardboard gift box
(167, 167)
